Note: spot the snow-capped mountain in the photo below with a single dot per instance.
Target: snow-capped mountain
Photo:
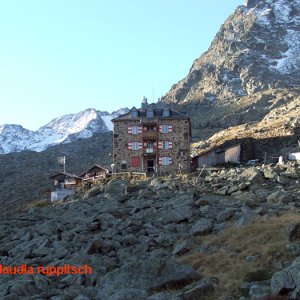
(257, 48)
(64, 129)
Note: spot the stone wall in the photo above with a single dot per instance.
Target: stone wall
(180, 152)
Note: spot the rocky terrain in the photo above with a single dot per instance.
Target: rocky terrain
(251, 67)
(277, 133)
(214, 234)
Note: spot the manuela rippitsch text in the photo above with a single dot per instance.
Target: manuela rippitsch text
(45, 270)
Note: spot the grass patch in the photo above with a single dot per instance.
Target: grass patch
(265, 239)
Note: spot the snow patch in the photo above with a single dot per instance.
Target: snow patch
(108, 122)
(291, 58)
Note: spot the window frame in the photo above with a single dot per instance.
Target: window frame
(165, 145)
(135, 129)
(135, 146)
(163, 127)
(165, 161)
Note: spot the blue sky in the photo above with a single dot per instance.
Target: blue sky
(64, 56)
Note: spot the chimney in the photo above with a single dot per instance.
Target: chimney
(144, 103)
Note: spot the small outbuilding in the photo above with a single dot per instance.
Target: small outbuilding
(64, 184)
(94, 172)
(217, 156)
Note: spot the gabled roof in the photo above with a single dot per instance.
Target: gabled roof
(92, 167)
(157, 113)
(220, 148)
(65, 174)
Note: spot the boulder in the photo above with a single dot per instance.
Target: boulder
(270, 174)
(280, 197)
(282, 281)
(225, 215)
(182, 247)
(294, 232)
(148, 274)
(196, 291)
(202, 226)
(177, 215)
(253, 175)
(258, 292)
(163, 296)
(117, 186)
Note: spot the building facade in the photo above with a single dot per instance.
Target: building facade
(151, 140)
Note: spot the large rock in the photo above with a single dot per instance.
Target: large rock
(294, 232)
(280, 197)
(202, 226)
(253, 175)
(177, 215)
(196, 291)
(117, 186)
(148, 274)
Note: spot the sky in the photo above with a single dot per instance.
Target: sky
(63, 56)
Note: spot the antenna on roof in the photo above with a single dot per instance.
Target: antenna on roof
(153, 94)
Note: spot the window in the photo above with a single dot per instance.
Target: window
(135, 161)
(123, 165)
(135, 145)
(167, 145)
(166, 128)
(134, 113)
(135, 129)
(166, 112)
(149, 113)
(165, 161)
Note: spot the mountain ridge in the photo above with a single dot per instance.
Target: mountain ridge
(63, 129)
(251, 65)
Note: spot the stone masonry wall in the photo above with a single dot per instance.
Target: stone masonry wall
(179, 153)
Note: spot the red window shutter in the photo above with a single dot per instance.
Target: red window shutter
(170, 145)
(160, 145)
(160, 128)
(160, 160)
(140, 146)
(140, 129)
(170, 160)
(135, 161)
(170, 128)
(130, 145)
(129, 129)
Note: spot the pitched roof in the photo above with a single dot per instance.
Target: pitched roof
(89, 169)
(66, 174)
(157, 113)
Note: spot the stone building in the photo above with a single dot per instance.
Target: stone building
(151, 140)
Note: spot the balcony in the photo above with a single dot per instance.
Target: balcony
(150, 135)
(150, 151)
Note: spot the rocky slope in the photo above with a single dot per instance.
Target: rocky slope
(277, 133)
(15, 138)
(221, 234)
(255, 52)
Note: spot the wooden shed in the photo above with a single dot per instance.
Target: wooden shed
(62, 180)
(94, 172)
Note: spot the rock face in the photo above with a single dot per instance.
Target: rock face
(133, 240)
(256, 51)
